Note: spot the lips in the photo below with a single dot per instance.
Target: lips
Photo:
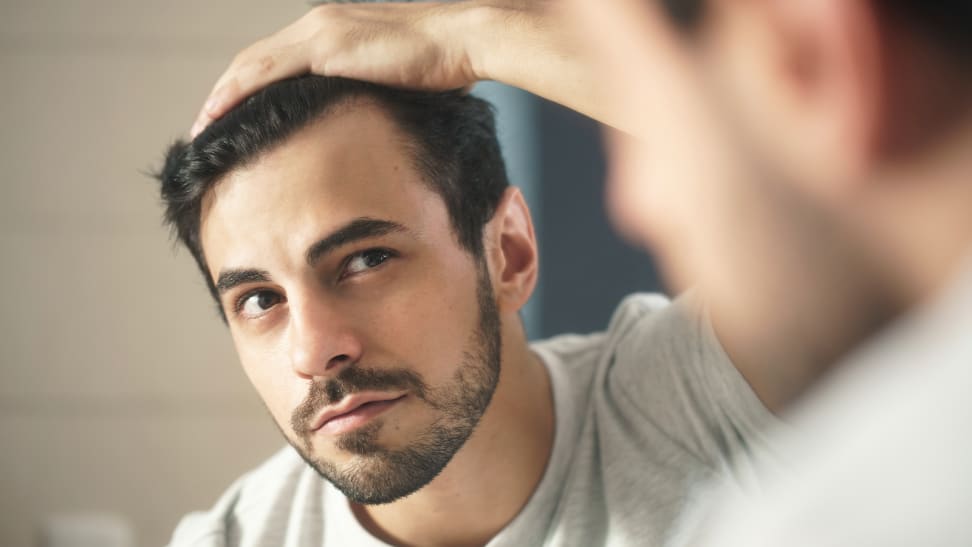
(353, 411)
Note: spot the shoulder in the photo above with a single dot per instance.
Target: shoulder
(636, 307)
(579, 350)
(648, 318)
(257, 502)
(665, 368)
(650, 350)
(649, 333)
(665, 354)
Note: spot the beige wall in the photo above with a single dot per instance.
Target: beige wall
(119, 388)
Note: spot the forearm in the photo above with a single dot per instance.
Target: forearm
(528, 44)
(531, 45)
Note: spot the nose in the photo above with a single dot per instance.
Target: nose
(322, 340)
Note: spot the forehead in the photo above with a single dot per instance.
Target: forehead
(352, 163)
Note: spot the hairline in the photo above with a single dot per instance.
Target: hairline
(410, 145)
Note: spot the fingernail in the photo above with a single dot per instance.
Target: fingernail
(197, 127)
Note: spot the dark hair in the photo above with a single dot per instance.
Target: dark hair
(686, 14)
(450, 135)
(947, 22)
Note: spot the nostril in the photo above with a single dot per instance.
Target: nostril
(339, 360)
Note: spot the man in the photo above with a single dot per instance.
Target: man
(370, 258)
(806, 164)
(854, 118)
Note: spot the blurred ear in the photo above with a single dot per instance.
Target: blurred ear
(808, 75)
(511, 248)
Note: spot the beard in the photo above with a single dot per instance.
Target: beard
(383, 475)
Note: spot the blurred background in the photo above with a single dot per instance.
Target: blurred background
(122, 405)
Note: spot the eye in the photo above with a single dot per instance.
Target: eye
(366, 260)
(257, 303)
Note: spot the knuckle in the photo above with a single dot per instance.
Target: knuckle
(318, 65)
(266, 64)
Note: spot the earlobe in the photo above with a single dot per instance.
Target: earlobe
(850, 77)
(824, 92)
(858, 73)
(513, 251)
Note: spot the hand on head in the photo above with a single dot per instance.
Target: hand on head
(528, 44)
(402, 45)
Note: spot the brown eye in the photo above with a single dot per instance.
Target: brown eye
(366, 260)
(257, 303)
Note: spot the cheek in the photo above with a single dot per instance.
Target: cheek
(271, 377)
(425, 324)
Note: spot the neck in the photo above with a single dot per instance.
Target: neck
(491, 478)
(899, 241)
(919, 215)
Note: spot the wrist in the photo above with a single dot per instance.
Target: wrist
(477, 30)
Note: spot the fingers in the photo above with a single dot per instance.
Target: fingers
(406, 45)
(244, 78)
(285, 54)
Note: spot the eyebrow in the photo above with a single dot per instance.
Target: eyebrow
(232, 278)
(356, 230)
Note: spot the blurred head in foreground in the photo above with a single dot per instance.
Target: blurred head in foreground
(366, 252)
(806, 162)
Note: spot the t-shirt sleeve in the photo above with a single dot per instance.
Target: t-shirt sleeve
(672, 376)
(274, 504)
(205, 528)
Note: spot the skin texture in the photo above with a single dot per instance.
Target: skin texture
(304, 325)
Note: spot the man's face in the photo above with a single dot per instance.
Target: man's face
(728, 178)
(370, 334)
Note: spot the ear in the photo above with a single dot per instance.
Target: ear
(810, 76)
(844, 90)
(511, 249)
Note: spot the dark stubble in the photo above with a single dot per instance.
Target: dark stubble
(383, 475)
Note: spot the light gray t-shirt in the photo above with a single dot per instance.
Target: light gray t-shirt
(644, 412)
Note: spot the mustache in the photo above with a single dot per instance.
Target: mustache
(351, 380)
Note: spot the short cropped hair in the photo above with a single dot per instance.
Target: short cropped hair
(451, 137)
